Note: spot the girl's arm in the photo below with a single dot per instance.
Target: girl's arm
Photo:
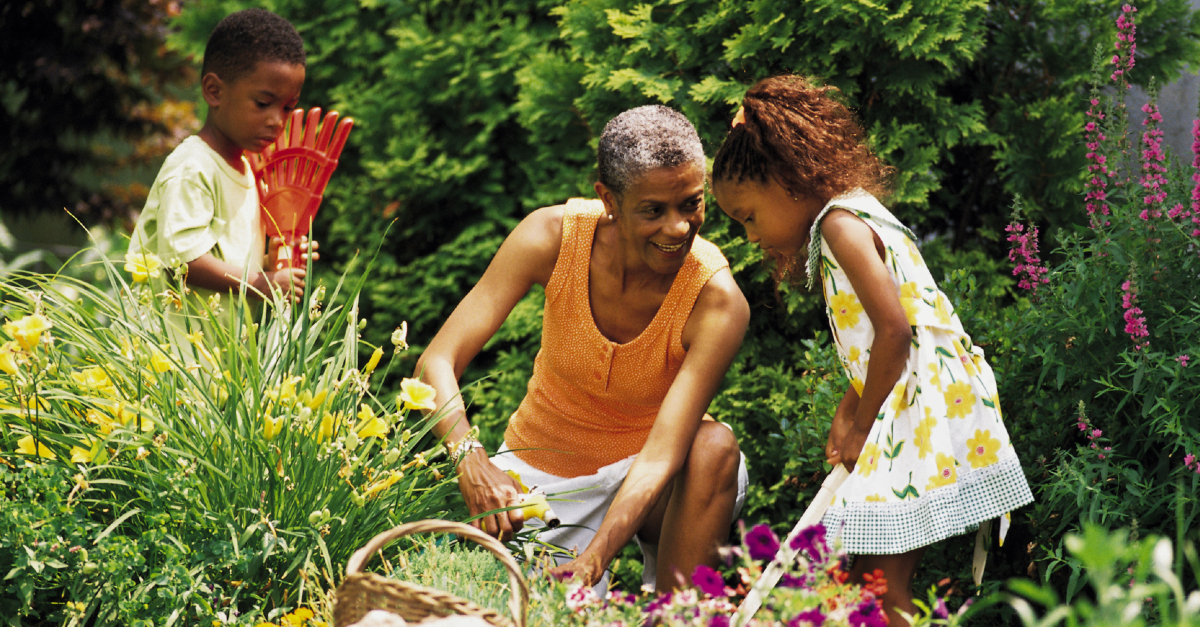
(712, 336)
(527, 256)
(860, 253)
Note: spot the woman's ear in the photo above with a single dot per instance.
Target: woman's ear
(212, 87)
(609, 199)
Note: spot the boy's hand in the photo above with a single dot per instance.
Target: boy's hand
(279, 254)
(289, 281)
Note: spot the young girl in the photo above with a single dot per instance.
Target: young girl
(920, 427)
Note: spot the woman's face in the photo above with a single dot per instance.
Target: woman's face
(659, 216)
(773, 219)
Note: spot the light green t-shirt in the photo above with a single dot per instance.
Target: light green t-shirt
(200, 204)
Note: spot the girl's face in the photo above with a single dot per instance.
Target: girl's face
(659, 216)
(773, 219)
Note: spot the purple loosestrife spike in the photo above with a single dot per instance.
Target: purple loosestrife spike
(1135, 322)
(1152, 178)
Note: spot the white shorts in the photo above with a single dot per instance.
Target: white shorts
(582, 502)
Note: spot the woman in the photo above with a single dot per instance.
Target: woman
(642, 319)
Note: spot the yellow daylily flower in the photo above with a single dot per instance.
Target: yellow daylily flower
(327, 427)
(80, 455)
(416, 394)
(10, 357)
(159, 362)
(868, 460)
(28, 330)
(379, 486)
(143, 266)
(960, 400)
(845, 308)
(297, 617)
(271, 427)
(946, 474)
(923, 434)
(96, 379)
(370, 425)
(373, 361)
(317, 399)
(28, 446)
(982, 449)
(400, 337)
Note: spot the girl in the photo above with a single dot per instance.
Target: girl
(920, 425)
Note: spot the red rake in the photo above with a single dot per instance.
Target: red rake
(292, 174)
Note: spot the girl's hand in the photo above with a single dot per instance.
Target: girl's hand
(843, 424)
(485, 488)
(586, 569)
(847, 446)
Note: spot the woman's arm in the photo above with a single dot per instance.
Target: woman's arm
(527, 256)
(860, 253)
(712, 336)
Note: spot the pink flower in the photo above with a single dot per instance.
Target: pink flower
(1183, 360)
(1024, 255)
(1135, 322)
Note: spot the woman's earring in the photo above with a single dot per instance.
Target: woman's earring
(610, 217)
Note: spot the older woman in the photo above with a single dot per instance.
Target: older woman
(642, 319)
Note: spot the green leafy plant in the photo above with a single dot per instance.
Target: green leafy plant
(208, 474)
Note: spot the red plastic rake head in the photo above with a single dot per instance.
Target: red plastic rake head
(292, 174)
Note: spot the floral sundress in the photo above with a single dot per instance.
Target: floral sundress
(938, 460)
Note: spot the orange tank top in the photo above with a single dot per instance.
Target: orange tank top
(591, 401)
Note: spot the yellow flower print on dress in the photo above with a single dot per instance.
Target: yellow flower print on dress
(913, 253)
(857, 384)
(960, 400)
(899, 398)
(868, 460)
(942, 309)
(854, 354)
(875, 498)
(908, 299)
(965, 357)
(923, 434)
(982, 449)
(846, 310)
(946, 474)
(936, 376)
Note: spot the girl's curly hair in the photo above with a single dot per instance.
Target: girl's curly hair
(799, 134)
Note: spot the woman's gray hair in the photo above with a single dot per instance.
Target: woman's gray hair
(644, 139)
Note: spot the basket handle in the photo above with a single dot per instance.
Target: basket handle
(518, 604)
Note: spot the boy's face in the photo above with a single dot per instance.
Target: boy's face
(248, 113)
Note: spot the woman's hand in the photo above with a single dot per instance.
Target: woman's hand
(485, 488)
(279, 253)
(586, 568)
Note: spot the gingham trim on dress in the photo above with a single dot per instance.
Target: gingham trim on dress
(848, 201)
(891, 528)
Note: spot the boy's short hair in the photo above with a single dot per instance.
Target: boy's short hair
(244, 39)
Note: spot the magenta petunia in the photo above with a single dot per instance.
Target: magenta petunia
(719, 620)
(867, 614)
(762, 543)
(708, 581)
(811, 540)
(808, 618)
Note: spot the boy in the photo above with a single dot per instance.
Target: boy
(203, 209)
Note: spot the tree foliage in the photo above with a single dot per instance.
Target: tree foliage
(84, 103)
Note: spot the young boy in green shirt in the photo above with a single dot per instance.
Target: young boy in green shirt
(203, 209)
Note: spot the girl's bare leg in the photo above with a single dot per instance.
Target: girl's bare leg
(898, 570)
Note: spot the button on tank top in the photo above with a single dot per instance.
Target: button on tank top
(591, 401)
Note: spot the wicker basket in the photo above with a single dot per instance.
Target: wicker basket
(362, 592)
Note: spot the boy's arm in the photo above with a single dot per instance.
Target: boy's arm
(209, 272)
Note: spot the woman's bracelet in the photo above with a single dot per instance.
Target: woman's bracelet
(464, 446)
